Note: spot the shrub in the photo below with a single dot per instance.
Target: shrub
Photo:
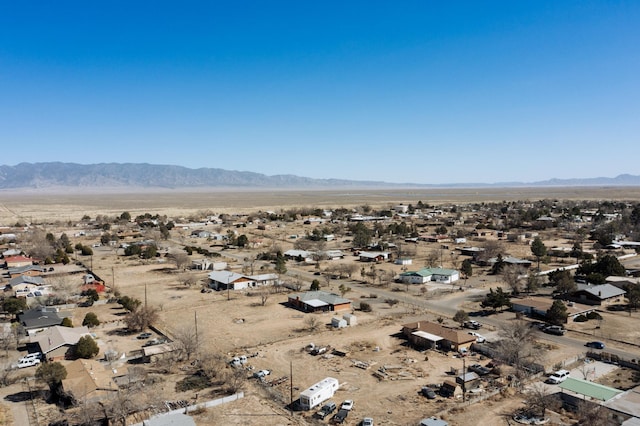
(67, 322)
(594, 315)
(580, 318)
(365, 307)
(91, 320)
(87, 347)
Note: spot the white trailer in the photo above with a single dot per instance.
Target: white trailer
(318, 393)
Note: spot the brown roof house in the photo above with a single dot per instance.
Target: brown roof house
(89, 381)
(319, 301)
(57, 343)
(425, 334)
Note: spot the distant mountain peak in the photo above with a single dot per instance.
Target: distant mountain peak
(143, 175)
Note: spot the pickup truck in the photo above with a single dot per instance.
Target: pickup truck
(474, 325)
(326, 409)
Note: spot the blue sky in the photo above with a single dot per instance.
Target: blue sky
(412, 91)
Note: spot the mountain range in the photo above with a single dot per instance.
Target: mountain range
(130, 175)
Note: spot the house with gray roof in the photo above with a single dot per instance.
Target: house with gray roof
(603, 294)
(319, 301)
(38, 319)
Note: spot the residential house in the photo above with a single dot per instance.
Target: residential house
(89, 381)
(223, 280)
(602, 295)
(416, 277)
(538, 307)
(30, 270)
(58, 343)
(425, 275)
(17, 261)
(428, 335)
(24, 284)
(36, 320)
(510, 260)
(374, 256)
(624, 408)
(319, 301)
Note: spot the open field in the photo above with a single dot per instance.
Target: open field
(74, 203)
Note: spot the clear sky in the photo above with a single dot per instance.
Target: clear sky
(399, 91)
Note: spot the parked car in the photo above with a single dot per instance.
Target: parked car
(479, 369)
(26, 362)
(558, 377)
(340, 416)
(347, 405)
(367, 421)
(326, 409)
(479, 337)
(143, 336)
(428, 393)
(595, 345)
(32, 355)
(154, 341)
(472, 324)
(554, 329)
(262, 373)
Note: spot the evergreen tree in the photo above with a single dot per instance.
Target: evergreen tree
(557, 313)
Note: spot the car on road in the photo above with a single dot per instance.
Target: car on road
(479, 337)
(347, 405)
(143, 336)
(367, 421)
(554, 329)
(479, 369)
(472, 324)
(340, 416)
(558, 377)
(595, 345)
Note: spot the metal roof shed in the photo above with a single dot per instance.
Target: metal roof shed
(590, 389)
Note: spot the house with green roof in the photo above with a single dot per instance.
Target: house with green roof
(425, 275)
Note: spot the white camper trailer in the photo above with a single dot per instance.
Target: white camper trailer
(318, 393)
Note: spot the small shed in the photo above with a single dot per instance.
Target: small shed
(433, 421)
(350, 319)
(337, 322)
(450, 389)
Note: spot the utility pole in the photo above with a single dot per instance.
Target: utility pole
(195, 319)
(464, 379)
(291, 386)
(145, 295)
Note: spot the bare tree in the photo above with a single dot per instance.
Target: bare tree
(37, 245)
(180, 259)
(7, 341)
(312, 323)
(212, 365)
(235, 379)
(141, 317)
(186, 340)
(539, 400)
(65, 287)
(512, 275)
(492, 248)
(264, 294)
(590, 414)
(517, 345)
(432, 258)
(188, 280)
